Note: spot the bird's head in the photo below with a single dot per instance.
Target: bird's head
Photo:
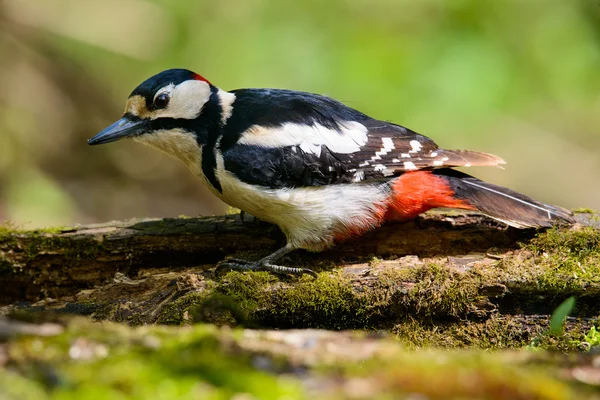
(169, 111)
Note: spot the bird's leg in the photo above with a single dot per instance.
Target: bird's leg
(264, 264)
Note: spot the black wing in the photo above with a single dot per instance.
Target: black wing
(279, 138)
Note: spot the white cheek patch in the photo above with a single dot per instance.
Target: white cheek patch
(310, 138)
(185, 100)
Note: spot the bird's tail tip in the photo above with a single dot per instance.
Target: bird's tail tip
(505, 205)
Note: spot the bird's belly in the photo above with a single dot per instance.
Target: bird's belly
(313, 218)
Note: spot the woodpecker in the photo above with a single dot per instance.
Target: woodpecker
(320, 170)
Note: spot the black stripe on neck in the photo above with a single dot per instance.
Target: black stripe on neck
(209, 121)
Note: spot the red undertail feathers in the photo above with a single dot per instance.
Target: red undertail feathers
(416, 192)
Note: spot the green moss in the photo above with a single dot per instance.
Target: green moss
(80, 249)
(109, 361)
(331, 301)
(325, 302)
(261, 299)
(247, 290)
(592, 337)
(178, 311)
(556, 264)
(497, 332)
(570, 260)
(7, 232)
(441, 291)
(51, 230)
(113, 361)
(461, 375)
(583, 210)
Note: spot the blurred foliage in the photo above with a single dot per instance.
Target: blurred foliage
(517, 78)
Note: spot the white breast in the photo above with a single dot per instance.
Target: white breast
(310, 217)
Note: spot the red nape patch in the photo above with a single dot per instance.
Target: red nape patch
(199, 77)
(414, 193)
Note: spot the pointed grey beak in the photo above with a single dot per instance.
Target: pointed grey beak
(121, 129)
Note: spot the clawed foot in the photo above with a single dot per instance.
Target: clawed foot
(243, 265)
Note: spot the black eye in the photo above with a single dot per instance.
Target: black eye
(161, 101)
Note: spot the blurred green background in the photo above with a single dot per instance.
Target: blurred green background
(518, 78)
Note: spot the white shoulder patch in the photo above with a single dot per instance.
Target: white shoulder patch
(227, 100)
(309, 138)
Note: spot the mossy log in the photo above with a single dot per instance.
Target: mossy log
(446, 279)
(76, 359)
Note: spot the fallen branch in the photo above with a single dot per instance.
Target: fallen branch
(442, 267)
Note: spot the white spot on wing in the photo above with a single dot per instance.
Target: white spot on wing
(438, 163)
(395, 160)
(409, 166)
(416, 146)
(433, 154)
(383, 169)
(388, 144)
(404, 155)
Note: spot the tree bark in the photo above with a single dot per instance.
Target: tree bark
(441, 267)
